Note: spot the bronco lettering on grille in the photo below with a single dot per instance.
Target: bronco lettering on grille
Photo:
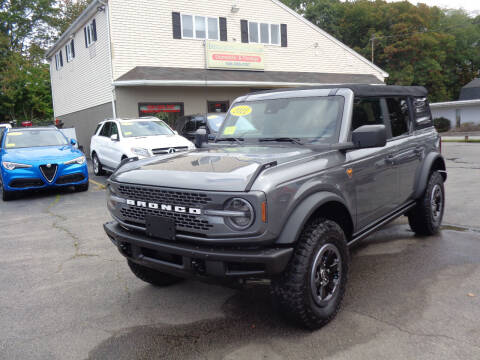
(165, 207)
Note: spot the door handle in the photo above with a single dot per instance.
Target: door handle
(418, 151)
(390, 160)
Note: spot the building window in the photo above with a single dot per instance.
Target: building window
(168, 112)
(59, 60)
(264, 33)
(90, 32)
(200, 27)
(70, 51)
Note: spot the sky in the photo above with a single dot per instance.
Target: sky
(472, 6)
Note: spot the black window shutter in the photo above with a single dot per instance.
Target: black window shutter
(56, 62)
(94, 26)
(85, 33)
(223, 29)
(72, 44)
(61, 58)
(283, 29)
(176, 25)
(244, 30)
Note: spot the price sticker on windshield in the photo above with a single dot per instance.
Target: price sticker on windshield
(229, 130)
(241, 110)
(10, 145)
(15, 133)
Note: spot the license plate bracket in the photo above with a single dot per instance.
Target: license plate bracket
(160, 227)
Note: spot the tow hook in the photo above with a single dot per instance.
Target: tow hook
(198, 266)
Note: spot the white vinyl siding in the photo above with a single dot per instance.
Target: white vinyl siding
(134, 46)
(86, 81)
(200, 27)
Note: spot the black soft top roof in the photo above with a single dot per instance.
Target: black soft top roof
(364, 90)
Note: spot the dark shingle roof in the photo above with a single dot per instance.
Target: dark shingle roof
(471, 91)
(185, 74)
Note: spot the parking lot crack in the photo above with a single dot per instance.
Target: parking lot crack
(413, 333)
(58, 219)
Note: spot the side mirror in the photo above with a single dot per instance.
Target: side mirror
(114, 137)
(175, 132)
(73, 142)
(200, 137)
(369, 136)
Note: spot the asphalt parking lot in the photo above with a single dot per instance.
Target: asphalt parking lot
(66, 293)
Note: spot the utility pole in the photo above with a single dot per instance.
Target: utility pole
(372, 39)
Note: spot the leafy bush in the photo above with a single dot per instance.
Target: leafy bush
(442, 124)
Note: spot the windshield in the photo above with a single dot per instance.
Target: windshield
(34, 138)
(215, 121)
(313, 119)
(145, 128)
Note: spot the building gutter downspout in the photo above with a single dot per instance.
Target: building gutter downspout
(107, 13)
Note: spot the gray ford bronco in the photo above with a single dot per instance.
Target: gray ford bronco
(293, 179)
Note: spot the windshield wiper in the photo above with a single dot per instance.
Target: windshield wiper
(282, 139)
(231, 139)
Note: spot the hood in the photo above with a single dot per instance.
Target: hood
(222, 168)
(156, 142)
(42, 155)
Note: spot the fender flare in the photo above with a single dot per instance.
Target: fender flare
(301, 214)
(424, 173)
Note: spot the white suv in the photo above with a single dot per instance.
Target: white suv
(115, 140)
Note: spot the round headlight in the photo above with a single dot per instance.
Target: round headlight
(242, 213)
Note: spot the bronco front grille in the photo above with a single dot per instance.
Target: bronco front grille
(185, 221)
(190, 199)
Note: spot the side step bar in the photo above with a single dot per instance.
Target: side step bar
(364, 233)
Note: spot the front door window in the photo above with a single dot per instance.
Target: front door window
(168, 112)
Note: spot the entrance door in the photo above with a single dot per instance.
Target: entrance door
(168, 112)
(218, 106)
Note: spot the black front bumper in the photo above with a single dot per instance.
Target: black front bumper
(188, 260)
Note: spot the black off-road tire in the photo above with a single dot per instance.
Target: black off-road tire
(292, 290)
(152, 276)
(7, 195)
(97, 169)
(82, 187)
(422, 218)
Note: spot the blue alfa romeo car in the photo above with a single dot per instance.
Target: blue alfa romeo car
(38, 158)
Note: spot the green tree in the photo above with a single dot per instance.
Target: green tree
(415, 44)
(69, 10)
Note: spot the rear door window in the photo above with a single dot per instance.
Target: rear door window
(399, 115)
(421, 113)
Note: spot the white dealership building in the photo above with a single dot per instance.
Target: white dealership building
(172, 58)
